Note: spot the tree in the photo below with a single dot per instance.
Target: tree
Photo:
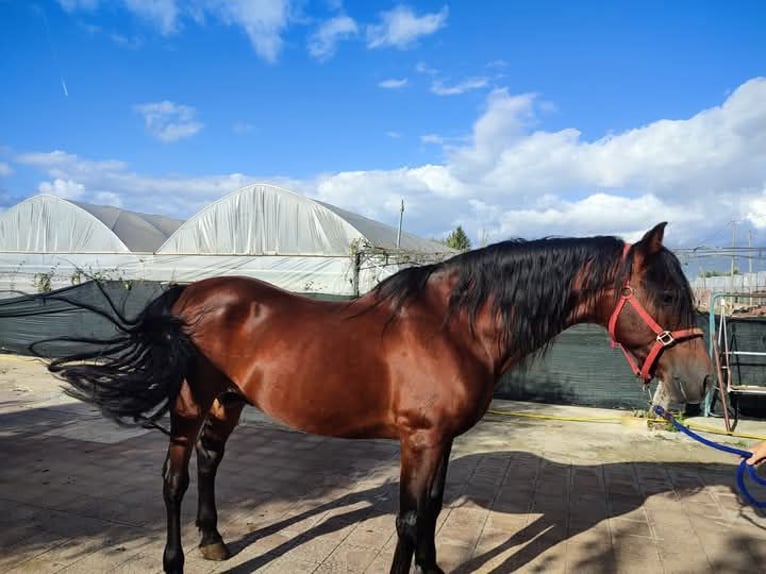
(706, 274)
(458, 240)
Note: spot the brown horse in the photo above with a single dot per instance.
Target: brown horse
(415, 360)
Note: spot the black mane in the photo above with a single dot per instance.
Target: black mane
(531, 284)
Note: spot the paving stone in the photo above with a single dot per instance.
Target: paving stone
(528, 497)
(347, 558)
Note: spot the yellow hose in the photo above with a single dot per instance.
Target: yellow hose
(713, 430)
(17, 358)
(557, 418)
(623, 419)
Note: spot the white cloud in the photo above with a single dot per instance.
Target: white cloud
(60, 164)
(334, 5)
(502, 126)
(65, 188)
(393, 134)
(441, 89)
(718, 151)
(73, 5)
(263, 21)
(753, 209)
(5, 169)
(114, 183)
(433, 139)
(107, 198)
(378, 193)
(168, 121)
(402, 28)
(161, 13)
(497, 64)
(324, 42)
(510, 177)
(129, 42)
(423, 68)
(599, 213)
(242, 128)
(393, 84)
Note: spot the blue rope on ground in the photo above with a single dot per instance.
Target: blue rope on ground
(743, 466)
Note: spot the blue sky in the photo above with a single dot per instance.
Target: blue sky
(511, 118)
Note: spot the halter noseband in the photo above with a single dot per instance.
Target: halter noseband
(664, 337)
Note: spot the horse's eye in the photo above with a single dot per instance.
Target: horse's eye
(668, 298)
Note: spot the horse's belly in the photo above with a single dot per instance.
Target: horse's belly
(340, 408)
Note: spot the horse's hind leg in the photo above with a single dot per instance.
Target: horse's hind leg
(185, 420)
(221, 421)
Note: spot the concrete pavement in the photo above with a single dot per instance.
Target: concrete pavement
(79, 495)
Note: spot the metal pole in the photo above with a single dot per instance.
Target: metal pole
(733, 247)
(399, 233)
(355, 276)
(750, 265)
(733, 255)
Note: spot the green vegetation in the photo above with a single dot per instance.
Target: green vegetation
(707, 274)
(458, 240)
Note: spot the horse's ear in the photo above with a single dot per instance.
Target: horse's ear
(651, 242)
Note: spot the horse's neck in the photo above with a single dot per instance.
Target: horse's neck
(488, 336)
(592, 309)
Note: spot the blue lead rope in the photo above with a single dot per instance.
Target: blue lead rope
(743, 466)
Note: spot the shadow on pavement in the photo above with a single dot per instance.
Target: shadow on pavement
(58, 490)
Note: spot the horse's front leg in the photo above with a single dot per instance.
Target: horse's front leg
(425, 548)
(220, 422)
(424, 460)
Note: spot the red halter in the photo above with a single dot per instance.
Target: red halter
(664, 337)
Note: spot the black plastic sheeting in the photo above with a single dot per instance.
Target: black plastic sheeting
(748, 336)
(29, 319)
(581, 368)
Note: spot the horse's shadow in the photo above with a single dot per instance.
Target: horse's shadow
(562, 501)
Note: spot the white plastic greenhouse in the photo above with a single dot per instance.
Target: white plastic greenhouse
(260, 231)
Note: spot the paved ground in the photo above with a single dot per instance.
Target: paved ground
(526, 495)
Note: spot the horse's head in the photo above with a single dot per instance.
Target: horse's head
(654, 319)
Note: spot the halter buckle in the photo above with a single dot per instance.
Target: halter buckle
(665, 338)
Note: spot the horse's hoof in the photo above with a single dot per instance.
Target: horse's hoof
(215, 551)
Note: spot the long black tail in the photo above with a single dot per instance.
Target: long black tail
(135, 376)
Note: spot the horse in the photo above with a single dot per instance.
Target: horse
(414, 360)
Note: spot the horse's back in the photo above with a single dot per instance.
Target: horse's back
(236, 286)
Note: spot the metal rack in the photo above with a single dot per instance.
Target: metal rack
(729, 359)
